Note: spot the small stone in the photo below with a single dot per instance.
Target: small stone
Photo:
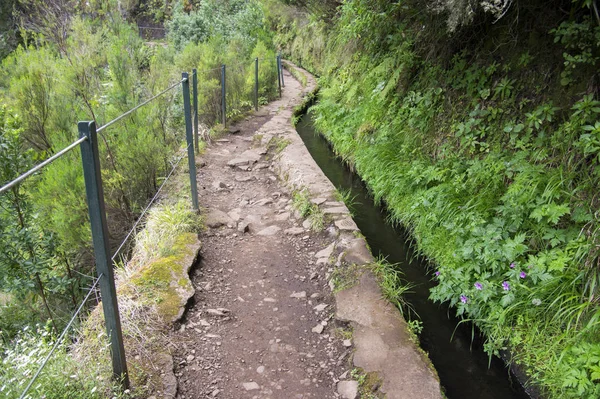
(264, 201)
(320, 307)
(215, 392)
(326, 253)
(332, 231)
(347, 343)
(260, 369)
(219, 185)
(283, 217)
(246, 158)
(269, 231)
(318, 328)
(243, 226)
(270, 300)
(318, 201)
(347, 389)
(215, 312)
(190, 358)
(235, 214)
(251, 386)
(301, 294)
(216, 218)
(294, 231)
(243, 179)
(204, 323)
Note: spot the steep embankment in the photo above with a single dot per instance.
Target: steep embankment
(484, 142)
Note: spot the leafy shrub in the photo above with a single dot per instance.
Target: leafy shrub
(61, 378)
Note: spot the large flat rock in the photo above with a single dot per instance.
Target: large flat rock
(383, 344)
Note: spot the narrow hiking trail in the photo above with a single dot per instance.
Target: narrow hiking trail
(262, 321)
(265, 322)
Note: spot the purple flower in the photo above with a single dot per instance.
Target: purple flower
(464, 299)
(505, 286)
(512, 265)
(522, 274)
(437, 273)
(478, 285)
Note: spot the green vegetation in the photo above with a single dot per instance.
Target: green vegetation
(368, 383)
(346, 276)
(480, 132)
(63, 377)
(345, 196)
(277, 144)
(300, 77)
(309, 210)
(393, 286)
(62, 61)
(152, 288)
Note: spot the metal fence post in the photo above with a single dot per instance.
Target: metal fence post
(187, 109)
(195, 98)
(104, 268)
(281, 74)
(223, 95)
(278, 76)
(256, 83)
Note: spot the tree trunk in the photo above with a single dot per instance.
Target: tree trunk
(45, 301)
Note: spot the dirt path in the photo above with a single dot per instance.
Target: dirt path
(262, 322)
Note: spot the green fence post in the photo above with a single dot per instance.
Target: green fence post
(256, 83)
(223, 95)
(281, 74)
(104, 268)
(278, 76)
(195, 98)
(189, 136)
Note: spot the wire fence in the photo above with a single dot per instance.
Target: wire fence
(150, 203)
(88, 145)
(60, 338)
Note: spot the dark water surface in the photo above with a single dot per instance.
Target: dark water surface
(457, 356)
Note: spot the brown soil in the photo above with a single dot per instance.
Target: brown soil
(250, 332)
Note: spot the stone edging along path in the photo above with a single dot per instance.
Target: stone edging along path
(381, 339)
(264, 322)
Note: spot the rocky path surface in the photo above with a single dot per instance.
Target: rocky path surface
(263, 323)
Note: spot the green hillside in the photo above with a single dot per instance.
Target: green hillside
(477, 124)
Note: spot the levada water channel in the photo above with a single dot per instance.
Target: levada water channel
(455, 349)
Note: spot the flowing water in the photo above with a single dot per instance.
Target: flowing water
(465, 371)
